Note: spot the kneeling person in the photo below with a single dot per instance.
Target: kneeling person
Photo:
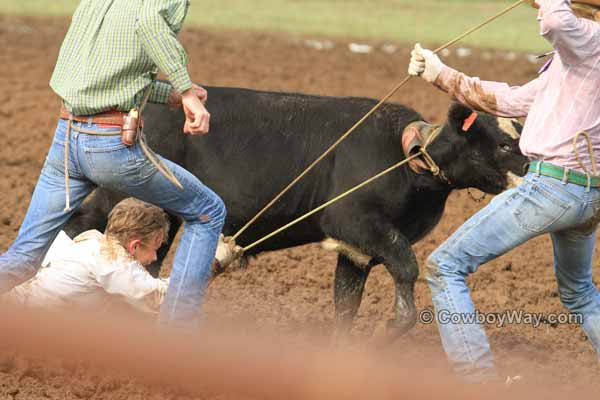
(96, 270)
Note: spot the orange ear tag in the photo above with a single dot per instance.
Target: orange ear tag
(469, 121)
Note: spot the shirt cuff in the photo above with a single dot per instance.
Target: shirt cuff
(160, 92)
(180, 80)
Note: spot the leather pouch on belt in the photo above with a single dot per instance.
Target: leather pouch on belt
(130, 128)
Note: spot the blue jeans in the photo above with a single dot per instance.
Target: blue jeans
(104, 161)
(540, 205)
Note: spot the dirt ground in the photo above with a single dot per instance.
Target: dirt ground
(289, 290)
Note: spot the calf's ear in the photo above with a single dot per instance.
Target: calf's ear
(457, 114)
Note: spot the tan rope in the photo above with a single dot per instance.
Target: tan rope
(367, 115)
(335, 199)
(329, 150)
(481, 25)
(66, 165)
(157, 162)
(434, 169)
(96, 133)
(70, 128)
(590, 151)
(152, 157)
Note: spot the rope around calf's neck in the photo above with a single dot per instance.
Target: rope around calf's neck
(330, 202)
(433, 167)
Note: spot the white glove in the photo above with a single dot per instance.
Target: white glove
(425, 64)
(227, 251)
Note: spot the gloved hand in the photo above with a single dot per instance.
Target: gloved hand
(227, 252)
(425, 64)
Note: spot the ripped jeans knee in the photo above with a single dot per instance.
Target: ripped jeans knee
(433, 274)
(441, 270)
(211, 215)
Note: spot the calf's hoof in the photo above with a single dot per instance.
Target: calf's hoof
(400, 325)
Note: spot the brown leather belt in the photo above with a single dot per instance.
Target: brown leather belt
(112, 117)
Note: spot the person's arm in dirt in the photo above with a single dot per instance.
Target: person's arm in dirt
(495, 98)
(134, 285)
(574, 39)
(157, 27)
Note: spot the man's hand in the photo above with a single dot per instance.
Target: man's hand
(197, 118)
(425, 64)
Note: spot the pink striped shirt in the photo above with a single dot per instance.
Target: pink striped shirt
(562, 101)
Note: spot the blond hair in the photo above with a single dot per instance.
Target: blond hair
(133, 219)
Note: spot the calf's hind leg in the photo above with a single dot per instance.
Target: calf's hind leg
(348, 290)
(385, 244)
(405, 275)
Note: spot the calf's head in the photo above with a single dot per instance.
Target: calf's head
(479, 150)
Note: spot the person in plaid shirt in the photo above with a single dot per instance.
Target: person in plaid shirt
(108, 59)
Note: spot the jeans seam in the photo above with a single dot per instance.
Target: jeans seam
(183, 276)
(445, 292)
(460, 327)
(75, 156)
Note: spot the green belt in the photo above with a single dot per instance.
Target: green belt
(557, 172)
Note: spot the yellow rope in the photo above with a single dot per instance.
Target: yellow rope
(330, 202)
(66, 166)
(157, 162)
(590, 151)
(329, 150)
(433, 168)
(367, 115)
(481, 25)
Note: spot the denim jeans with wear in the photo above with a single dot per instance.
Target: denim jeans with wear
(106, 162)
(540, 205)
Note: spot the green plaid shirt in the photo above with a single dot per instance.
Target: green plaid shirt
(112, 50)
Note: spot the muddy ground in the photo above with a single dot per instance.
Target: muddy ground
(290, 290)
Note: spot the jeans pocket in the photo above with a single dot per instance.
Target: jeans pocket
(113, 158)
(536, 208)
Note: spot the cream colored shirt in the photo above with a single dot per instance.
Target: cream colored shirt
(90, 273)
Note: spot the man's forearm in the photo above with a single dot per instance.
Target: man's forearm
(495, 98)
(466, 90)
